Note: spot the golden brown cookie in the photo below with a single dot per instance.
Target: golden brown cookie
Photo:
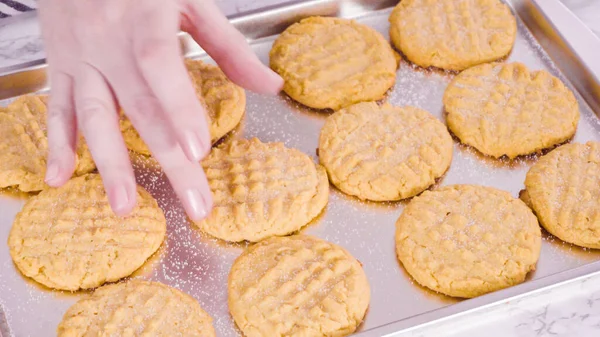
(261, 190)
(506, 110)
(136, 308)
(452, 34)
(297, 286)
(69, 238)
(384, 152)
(24, 145)
(333, 63)
(564, 191)
(467, 240)
(224, 101)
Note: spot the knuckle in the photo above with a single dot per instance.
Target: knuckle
(163, 146)
(146, 114)
(90, 111)
(61, 136)
(186, 119)
(151, 50)
(107, 164)
(166, 150)
(58, 112)
(181, 172)
(185, 110)
(58, 151)
(143, 109)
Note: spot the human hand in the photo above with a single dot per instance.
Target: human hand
(108, 53)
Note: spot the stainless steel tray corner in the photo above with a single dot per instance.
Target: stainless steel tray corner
(199, 265)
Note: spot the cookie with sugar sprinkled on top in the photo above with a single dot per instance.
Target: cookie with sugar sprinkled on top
(297, 286)
(261, 190)
(507, 110)
(136, 308)
(69, 238)
(563, 188)
(452, 34)
(24, 145)
(331, 63)
(384, 153)
(467, 240)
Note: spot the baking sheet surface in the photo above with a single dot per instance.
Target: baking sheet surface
(199, 265)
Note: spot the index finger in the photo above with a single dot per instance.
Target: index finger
(228, 47)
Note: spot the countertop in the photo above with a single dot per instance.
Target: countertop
(571, 309)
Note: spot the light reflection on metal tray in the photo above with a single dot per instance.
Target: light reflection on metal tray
(199, 265)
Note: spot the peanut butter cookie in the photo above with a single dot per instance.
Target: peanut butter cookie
(297, 286)
(333, 63)
(466, 240)
(563, 189)
(136, 308)
(69, 238)
(452, 34)
(261, 190)
(506, 110)
(24, 145)
(384, 152)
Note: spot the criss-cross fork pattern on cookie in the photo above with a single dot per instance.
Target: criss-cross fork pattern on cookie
(297, 286)
(136, 308)
(506, 110)
(452, 34)
(333, 63)
(24, 145)
(69, 238)
(564, 190)
(384, 153)
(261, 189)
(467, 240)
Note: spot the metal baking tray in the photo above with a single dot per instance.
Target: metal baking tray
(199, 265)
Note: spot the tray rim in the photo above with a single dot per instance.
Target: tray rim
(484, 302)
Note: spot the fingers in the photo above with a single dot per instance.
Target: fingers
(205, 23)
(98, 121)
(187, 177)
(62, 131)
(157, 51)
(145, 113)
(190, 183)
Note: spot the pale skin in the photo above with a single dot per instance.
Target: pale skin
(105, 54)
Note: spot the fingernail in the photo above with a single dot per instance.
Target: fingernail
(195, 205)
(193, 146)
(52, 172)
(119, 200)
(277, 82)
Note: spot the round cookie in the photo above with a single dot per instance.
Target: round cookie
(564, 191)
(384, 152)
(261, 190)
(69, 238)
(297, 286)
(451, 34)
(333, 63)
(136, 308)
(224, 101)
(24, 145)
(505, 110)
(467, 240)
